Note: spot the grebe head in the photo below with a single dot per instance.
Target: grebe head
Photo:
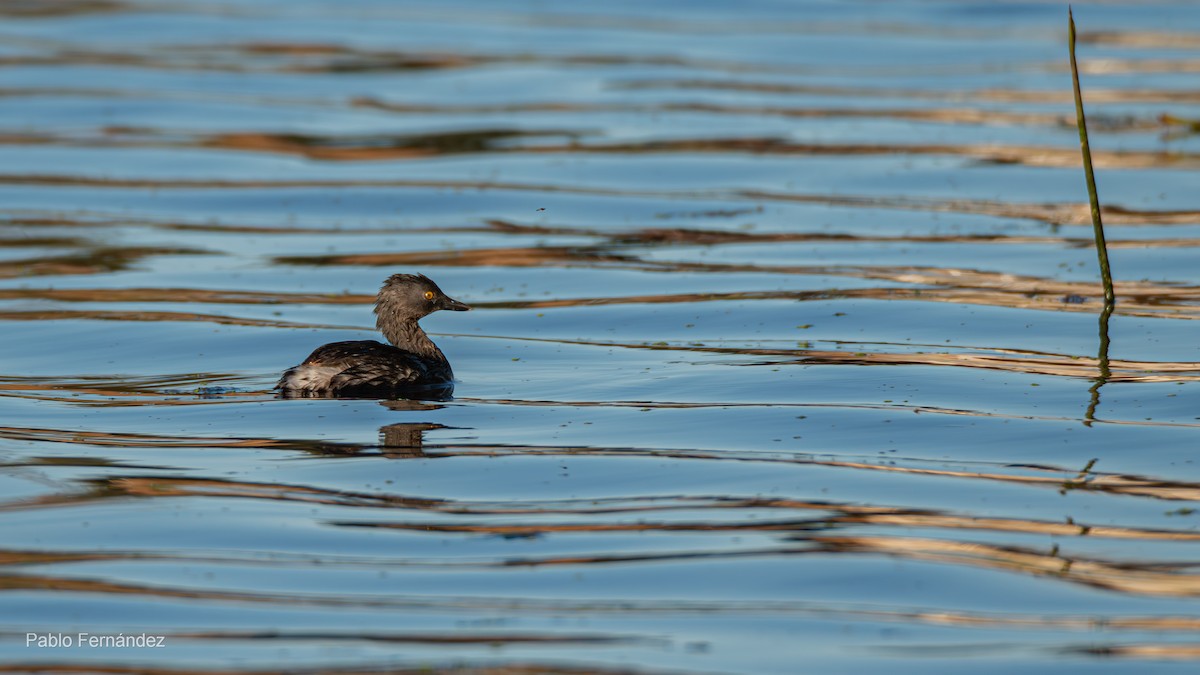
(412, 296)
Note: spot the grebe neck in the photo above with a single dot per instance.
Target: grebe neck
(405, 333)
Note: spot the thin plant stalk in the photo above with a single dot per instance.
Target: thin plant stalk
(1110, 297)
(1097, 225)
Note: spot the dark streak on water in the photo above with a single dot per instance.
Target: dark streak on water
(784, 357)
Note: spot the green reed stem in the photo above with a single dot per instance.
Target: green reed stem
(1097, 226)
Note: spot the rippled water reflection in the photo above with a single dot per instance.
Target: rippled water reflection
(785, 352)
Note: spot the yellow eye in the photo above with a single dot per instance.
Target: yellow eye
(428, 295)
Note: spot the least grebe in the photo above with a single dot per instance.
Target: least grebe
(367, 368)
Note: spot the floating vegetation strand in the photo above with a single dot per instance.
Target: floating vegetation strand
(1097, 225)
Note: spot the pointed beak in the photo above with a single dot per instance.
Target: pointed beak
(452, 304)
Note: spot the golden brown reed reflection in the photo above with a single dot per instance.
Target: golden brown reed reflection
(817, 532)
(1016, 361)
(1149, 579)
(119, 391)
(961, 286)
(392, 148)
(42, 242)
(395, 440)
(118, 136)
(184, 296)
(335, 58)
(407, 439)
(1059, 479)
(519, 605)
(1142, 39)
(996, 95)
(140, 440)
(372, 148)
(316, 58)
(39, 9)
(948, 284)
(1168, 623)
(1051, 214)
(940, 115)
(94, 261)
(133, 315)
(1156, 652)
(339, 57)
(1065, 366)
